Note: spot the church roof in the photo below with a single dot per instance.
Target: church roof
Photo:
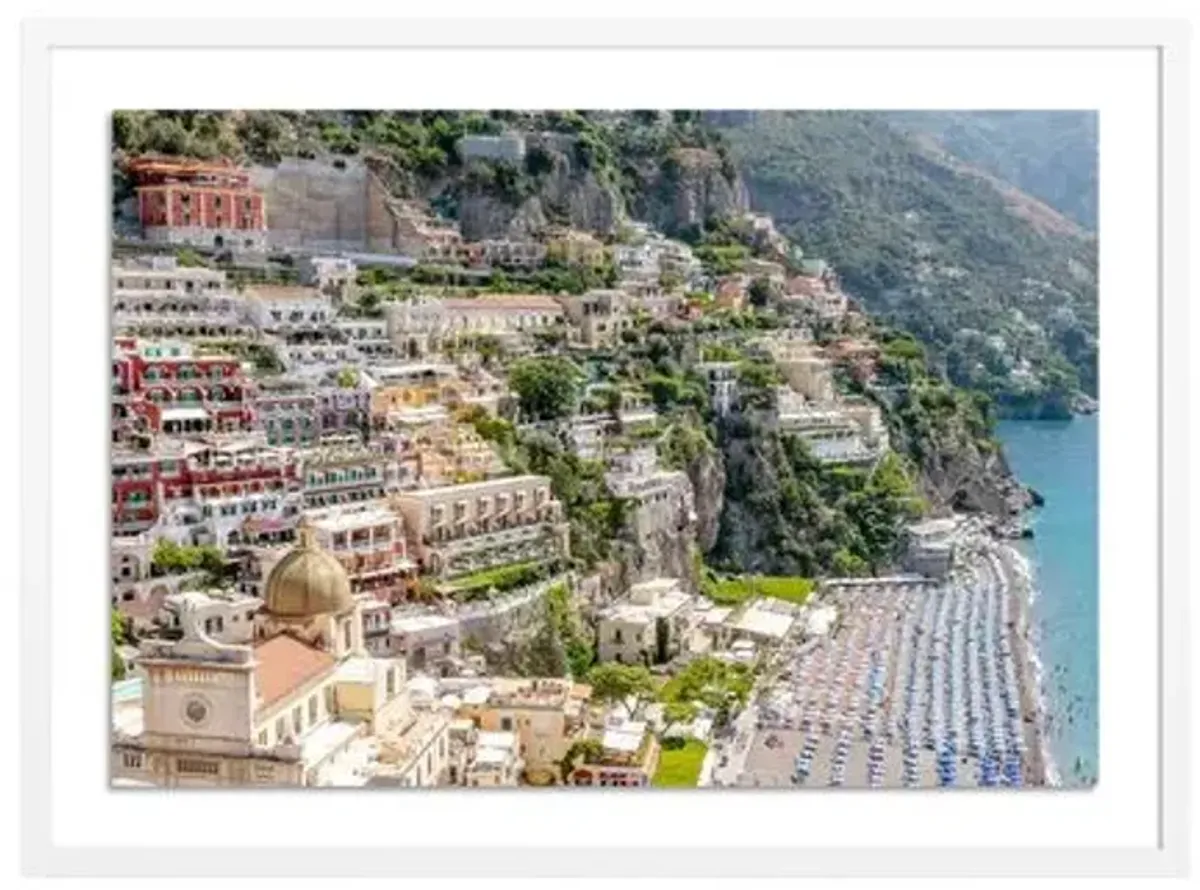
(307, 582)
(283, 665)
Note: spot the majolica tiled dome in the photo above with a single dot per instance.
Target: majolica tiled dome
(308, 582)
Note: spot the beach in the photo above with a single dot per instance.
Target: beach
(1040, 767)
(924, 683)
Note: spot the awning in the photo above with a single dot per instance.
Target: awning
(184, 414)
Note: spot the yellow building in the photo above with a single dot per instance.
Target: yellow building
(575, 247)
(454, 452)
(545, 714)
(302, 705)
(403, 387)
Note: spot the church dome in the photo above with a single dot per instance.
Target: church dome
(308, 582)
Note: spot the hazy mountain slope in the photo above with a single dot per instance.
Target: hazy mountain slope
(1052, 155)
(951, 255)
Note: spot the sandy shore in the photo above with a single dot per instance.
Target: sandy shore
(829, 681)
(1039, 766)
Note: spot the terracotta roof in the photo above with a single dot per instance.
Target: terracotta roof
(284, 664)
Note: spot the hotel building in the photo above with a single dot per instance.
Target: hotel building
(600, 315)
(663, 498)
(628, 759)
(164, 386)
(370, 544)
(215, 491)
(154, 297)
(546, 714)
(463, 528)
(648, 627)
(347, 474)
(287, 309)
(212, 205)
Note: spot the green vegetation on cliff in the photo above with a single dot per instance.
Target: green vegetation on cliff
(787, 513)
(638, 161)
(1049, 154)
(733, 591)
(1001, 293)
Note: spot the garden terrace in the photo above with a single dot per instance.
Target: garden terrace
(680, 763)
(734, 591)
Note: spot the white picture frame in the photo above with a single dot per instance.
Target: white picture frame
(42, 603)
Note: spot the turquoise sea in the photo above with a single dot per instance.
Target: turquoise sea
(1059, 459)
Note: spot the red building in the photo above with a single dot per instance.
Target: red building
(211, 485)
(182, 201)
(163, 387)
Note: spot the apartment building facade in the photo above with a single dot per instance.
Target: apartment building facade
(463, 528)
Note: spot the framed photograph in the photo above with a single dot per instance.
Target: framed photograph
(500, 435)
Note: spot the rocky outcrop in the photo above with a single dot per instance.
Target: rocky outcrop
(706, 471)
(661, 554)
(963, 478)
(483, 216)
(690, 187)
(559, 191)
(662, 538)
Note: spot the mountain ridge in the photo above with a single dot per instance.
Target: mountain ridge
(1001, 291)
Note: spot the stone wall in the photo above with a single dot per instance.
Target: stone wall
(312, 204)
(508, 617)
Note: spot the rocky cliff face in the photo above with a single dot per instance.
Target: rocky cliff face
(662, 539)
(706, 472)
(563, 193)
(553, 186)
(483, 216)
(661, 554)
(753, 521)
(960, 476)
(958, 467)
(690, 187)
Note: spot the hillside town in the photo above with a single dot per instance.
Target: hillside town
(395, 506)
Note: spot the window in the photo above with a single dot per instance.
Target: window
(506, 724)
(346, 633)
(312, 709)
(279, 730)
(191, 766)
(132, 759)
(330, 700)
(262, 738)
(297, 720)
(617, 635)
(391, 682)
